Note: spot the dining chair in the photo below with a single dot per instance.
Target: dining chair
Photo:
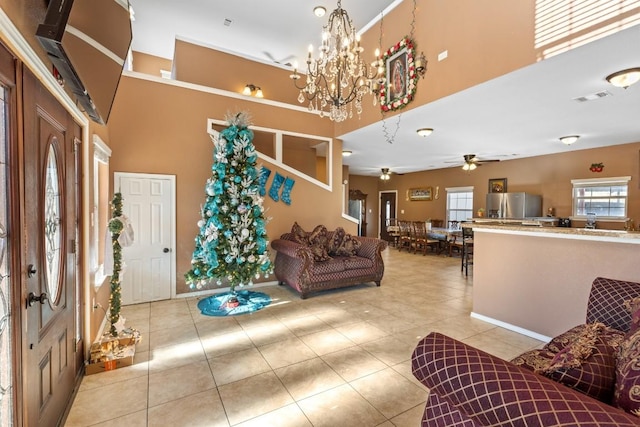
(405, 235)
(437, 223)
(455, 244)
(467, 249)
(393, 230)
(421, 241)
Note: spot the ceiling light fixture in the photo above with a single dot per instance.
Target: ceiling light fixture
(338, 76)
(569, 139)
(319, 11)
(624, 78)
(386, 175)
(424, 132)
(346, 153)
(250, 89)
(469, 166)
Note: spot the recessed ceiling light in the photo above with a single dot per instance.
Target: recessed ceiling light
(425, 132)
(319, 11)
(624, 78)
(346, 153)
(569, 139)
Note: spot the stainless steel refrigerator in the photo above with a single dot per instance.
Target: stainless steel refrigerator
(513, 205)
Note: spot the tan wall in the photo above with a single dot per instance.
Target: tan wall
(542, 284)
(161, 128)
(209, 67)
(150, 64)
(549, 176)
(484, 39)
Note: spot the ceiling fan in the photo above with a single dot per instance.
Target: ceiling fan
(471, 161)
(284, 61)
(386, 174)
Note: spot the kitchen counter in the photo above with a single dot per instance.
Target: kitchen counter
(516, 227)
(536, 280)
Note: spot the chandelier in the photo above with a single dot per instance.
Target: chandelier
(338, 76)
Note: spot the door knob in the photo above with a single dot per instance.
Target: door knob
(33, 298)
(166, 250)
(31, 270)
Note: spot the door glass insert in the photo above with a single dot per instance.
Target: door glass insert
(52, 231)
(6, 351)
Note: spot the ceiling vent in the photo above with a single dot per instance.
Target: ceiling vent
(593, 96)
(227, 22)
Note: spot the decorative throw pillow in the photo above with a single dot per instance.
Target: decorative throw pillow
(336, 240)
(633, 306)
(534, 360)
(627, 387)
(588, 363)
(343, 244)
(299, 235)
(566, 338)
(349, 246)
(319, 243)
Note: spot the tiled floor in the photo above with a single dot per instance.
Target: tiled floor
(340, 358)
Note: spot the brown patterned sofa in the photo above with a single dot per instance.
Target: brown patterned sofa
(298, 266)
(469, 387)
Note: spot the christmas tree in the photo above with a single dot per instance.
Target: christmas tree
(232, 241)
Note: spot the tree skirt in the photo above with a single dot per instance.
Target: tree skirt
(233, 303)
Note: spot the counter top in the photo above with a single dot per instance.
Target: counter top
(559, 232)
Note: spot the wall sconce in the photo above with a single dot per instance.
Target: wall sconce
(624, 78)
(250, 89)
(569, 139)
(424, 132)
(420, 64)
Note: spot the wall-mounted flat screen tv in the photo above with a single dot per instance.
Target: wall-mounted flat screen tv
(87, 42)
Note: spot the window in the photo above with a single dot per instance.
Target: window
(459, 203)
(101, 208)
(6, 319)
(606, 198)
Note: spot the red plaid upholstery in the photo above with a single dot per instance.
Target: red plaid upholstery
(469, 387)
(606, 302)
(294, 265)
(494, 392)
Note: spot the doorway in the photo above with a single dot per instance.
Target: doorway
(388, 207)
(358, 209)
(149, 203)
(52, 349)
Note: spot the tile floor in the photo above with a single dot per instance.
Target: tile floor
(339, 358)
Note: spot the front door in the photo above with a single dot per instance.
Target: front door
(50, 246)
(147, 201)
(387, 213)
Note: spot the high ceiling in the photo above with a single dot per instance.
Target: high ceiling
(521, 114)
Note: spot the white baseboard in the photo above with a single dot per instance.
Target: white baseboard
(511, 327)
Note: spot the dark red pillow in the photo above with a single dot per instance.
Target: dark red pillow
(343, 244)
(627, 387)
(298, 235)
(319, 243)
(587, 362)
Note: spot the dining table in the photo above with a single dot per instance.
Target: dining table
(444, 235)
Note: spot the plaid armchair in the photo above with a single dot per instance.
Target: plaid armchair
(469, 387)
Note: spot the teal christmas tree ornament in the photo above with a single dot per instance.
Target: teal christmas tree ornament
(232, 243)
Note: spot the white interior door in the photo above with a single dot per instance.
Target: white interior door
(148, 201)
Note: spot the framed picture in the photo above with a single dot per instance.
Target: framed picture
(498, 185)
(421, 194)
(401, 77)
